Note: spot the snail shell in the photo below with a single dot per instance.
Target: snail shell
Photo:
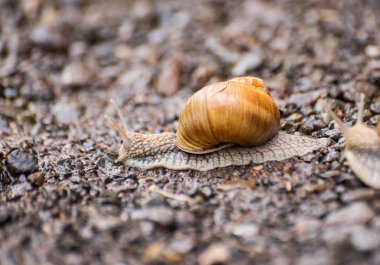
(239, 111)
(362, 149)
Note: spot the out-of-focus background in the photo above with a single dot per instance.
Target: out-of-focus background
(63, 200)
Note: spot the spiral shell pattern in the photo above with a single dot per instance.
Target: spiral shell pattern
(239, 111)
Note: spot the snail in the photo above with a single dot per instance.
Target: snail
(235, 122)
(362, 147)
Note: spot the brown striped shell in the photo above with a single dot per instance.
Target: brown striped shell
(239, 111)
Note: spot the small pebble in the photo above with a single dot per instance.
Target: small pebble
(37, 178)
(375, 107)
(312, 125)
(206, 190)
(247, 62)
(5, 216)
(66, 111)
(330, 174)
(364, 239)
(10, 92)
(374, 119)
(329, 196)
(168, 79)
(22, 162)
(78, 49)
(332, 155)
(335, 234)
(372, 50)
(320, 257)
(306, 98)
(153, 200)
(76, 74)
(48, 38)
(154, 253)
(306, 226)
(215, 254)
(245, 231)
(295, 117)
(19, 189)
(358, 194)
(161, 215)
(334, 134)
(355, 213)
(201, 75)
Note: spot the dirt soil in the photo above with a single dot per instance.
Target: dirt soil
(63, 200)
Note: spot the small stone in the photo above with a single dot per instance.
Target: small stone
(153, 200)
(375, 107)
(372, 50)
(37, 178)
(183, 244)
(340, 188)
(288, 186)
(374, 65)
(219, 50)
(355, 213)
(76, 74)
(117, 186)
(10, 92)
(358, 194)
(154, 253)
(332, 155)
(5, 216)
(306, 98)
(330, 174)
(329, 196)
(247, 62)
(334, 134)
(245, 231)
(19, 189)
(257, 168)
(315, 187)
(123, 52)
(201, 75)
(295, 117)
(149, 54)
(312, 125)
(206, 190)
(159, 253)
(288, 168)
(31, 7)
(104, 222)
(142, 10)
(335, 234)
(305, 226)
(137, 77)
(161, 215)
(168, 79)
(214, 254)
(66, 111)
(319, 257)
(48, 38)
(78, 49)
(364, 87)
(22, 162)
(364, 239)
(374, 119)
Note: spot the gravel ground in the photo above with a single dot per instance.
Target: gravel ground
(64, 201)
